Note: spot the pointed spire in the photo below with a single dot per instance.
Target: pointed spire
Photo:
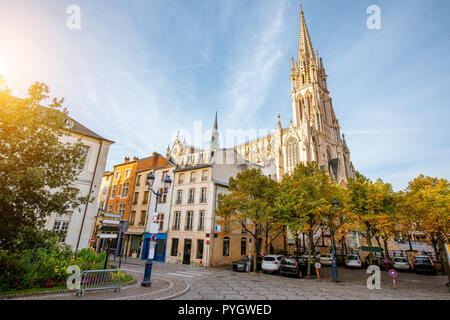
(305, 48)
(215, 122)
(214, 143)
(279, 122)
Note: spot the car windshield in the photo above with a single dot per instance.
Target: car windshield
(289, 261)
(243, 259)
(423, 259)
(400, 260)
(269, 259)
(352, 258)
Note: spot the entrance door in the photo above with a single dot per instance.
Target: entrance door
(160, 250)
(187, 251)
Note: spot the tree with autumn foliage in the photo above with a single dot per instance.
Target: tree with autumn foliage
(304, 197)
(426, 206)
(249, 205)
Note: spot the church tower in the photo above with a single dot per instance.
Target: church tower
(214, 143)
(314, 121)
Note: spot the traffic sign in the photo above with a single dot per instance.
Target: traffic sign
(153, 237)
(92, 240)
(386, 260)
(207, 242)
(109, 228)
(112, 215)
(318, 265)
(152, 244)
(392, 273)
(155, 219)
(107, 236)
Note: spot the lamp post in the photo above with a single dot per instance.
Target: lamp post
(149, 264)
(333, 256)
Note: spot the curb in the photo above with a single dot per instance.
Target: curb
(50, 292)
(176, 295)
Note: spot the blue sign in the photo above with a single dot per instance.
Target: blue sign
(392, 273)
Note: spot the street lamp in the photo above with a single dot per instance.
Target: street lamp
(149, 264)
(333, 256)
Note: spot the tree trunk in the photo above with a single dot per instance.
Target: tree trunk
(369, 243)
(284, 240)
(310, 250)
(386, 250)
(444, 260)
(303, 243)
(296, 244)
(255, 240)
(267, 238)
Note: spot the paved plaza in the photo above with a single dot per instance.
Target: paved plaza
(185, 282)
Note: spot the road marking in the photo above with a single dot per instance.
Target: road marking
(194, 273)
(183, 275)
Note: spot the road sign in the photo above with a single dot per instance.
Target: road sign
(92, 240)
(318, 265)
(152, 244)
(155, 219)
(392, 273)
(107, 236)
(373, 249)
(386, 260)
(111, 215)
(109, 228)
(207, 242)
(153, 237)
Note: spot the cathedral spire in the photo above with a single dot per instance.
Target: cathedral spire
(305, 48)
(214, 144)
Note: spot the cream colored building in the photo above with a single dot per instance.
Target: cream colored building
(75, 225)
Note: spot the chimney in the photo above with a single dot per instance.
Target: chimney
(126, 159)
(135, 158)
(154, 154)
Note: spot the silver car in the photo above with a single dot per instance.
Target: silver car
(353, 261)
(401, 263)
(271, 263)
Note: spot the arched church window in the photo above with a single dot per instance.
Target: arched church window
(303, 78)
(292, 153)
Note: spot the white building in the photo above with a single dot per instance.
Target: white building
(76, 225)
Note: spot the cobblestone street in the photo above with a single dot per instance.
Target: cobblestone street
(183, 282)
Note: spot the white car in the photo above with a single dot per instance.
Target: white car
(353, 261)
(326, 259)
(401, 263)
(271, 263)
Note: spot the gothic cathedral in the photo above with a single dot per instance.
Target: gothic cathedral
(313, 133)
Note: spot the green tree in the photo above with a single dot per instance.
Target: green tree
(37, 169)
(427, 206)
(249, 205)
(304, 196)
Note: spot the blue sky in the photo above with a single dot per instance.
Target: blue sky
(138, 70)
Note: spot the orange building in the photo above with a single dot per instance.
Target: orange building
(121, 192)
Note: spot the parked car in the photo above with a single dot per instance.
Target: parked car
(313, 257)
(401, 263)
(325, 259)
(271, 263)
(423, 264)
(353, 261)
(297, 266)
(375, 261)
(241, 264)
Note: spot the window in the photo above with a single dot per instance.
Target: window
(243, 227)
(181, 178)
(125, 189)
(189, 216)
(243, 246)
(113, 193)
(127, 173)
(138, 180)
(143, 217)
(163, 197)
(205, 175)
(179, 197)
(337, 135)
(164, 175)
(226, 247)
(191, 195)
(292, 153)
(174, 249)
(199, 249)
(133, 216)
(136, 198)
(61, 229)
(118, 175)
(192, 177)
(160, 221)
(102, 205)
(203, 196)
(121, 210)
(145, 200)
(201, 221)
(110, 208)
(176, 221)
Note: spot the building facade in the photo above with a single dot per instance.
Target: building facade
(313, 133)
(76, 224)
